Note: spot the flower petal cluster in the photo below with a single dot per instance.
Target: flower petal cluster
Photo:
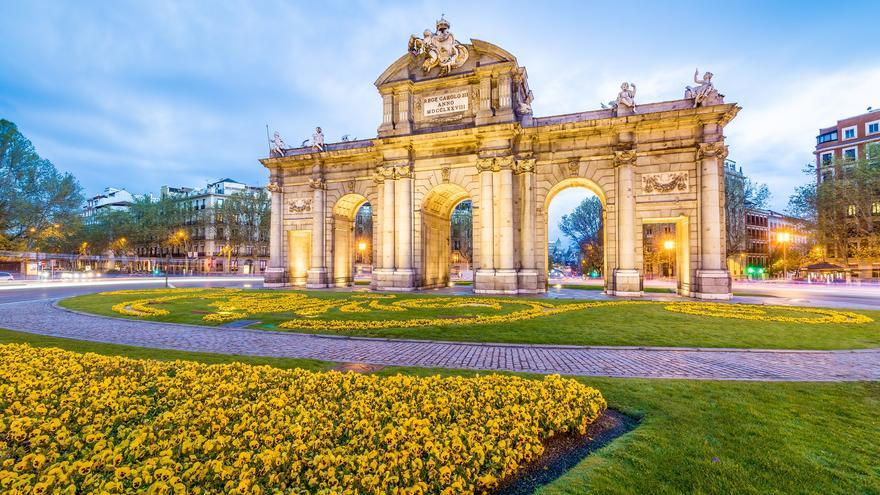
(309, 311)
(760, 313)
(85, 423)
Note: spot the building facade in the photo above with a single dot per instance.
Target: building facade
(111, 199)
(457, 125)
(206, 245)
(851, 138)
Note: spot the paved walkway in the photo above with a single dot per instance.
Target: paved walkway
(42, 317)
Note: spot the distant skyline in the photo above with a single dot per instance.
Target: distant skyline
(138, 95)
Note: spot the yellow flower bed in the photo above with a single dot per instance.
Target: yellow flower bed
(84, 423)
(759, 313)
(235, 304)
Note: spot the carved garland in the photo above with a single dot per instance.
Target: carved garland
(665, 182)
(300, 205)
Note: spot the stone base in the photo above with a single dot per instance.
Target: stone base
(394, 280)
(317, 279)
(274, 277)
(495, 282)
(625, 283)
(711, 284)
(527, 282)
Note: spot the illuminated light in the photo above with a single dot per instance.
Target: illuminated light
(558, 286)
(362, 246)
(783, 237)
(669, 245)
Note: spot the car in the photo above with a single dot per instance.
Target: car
(6, 277)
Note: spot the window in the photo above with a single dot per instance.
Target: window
(849, 133)
(851, 210)
(875, 208)
(826, 158)
(828, 136)
(849, 154)
(872, 127)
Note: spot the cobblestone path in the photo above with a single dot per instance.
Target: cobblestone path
(41, 317)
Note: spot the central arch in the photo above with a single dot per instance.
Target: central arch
(576, 182)
(436, 216)
(345, 245)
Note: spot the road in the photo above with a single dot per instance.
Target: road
(38, 292)
(853, 297)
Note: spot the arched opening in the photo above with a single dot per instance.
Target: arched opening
(352, 240)
(575, 234)
(447, 236)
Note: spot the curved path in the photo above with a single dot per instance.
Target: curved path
(42, 317)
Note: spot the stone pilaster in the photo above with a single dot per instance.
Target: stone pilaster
(404, 113)
(387, 125)
(712, 280)
(505, 96)
(275, 273)
(527, 280)
(317, 275)
(486, 263)
(626, 279)
(484, 114)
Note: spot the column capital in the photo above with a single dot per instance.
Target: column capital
(317, 183)
(503, 163)
(275, 185)
(485, 164)
(624, 157)
(524, 165)
(709, 150)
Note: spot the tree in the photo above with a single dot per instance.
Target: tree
(245, 218)
(741, 193)
(34, 195)
(585, 227)
(844, 209)
(461, 225)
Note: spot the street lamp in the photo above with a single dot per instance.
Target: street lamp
(669, 246)
(784, 238)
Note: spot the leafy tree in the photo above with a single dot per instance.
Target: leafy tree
(741, 193)
(34, 195)
(244, 218)
(585, 227)
(843, 209)
(461, 225)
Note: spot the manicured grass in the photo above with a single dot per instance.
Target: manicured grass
(693, 437)
(13, 337)
(625, 325)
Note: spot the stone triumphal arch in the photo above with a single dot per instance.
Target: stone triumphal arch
(457, 125)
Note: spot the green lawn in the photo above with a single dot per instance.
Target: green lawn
(694, 436)
(628, 325)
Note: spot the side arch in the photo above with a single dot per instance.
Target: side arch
(436, 215)
(344, 211)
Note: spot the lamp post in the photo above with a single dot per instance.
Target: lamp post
(784, 238)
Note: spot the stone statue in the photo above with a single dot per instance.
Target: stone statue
(704, 93)
(524, 95)
(627, 97)
(318, 139)
(439, 49)
(278, 145)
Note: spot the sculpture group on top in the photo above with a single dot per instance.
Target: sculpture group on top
(704, 93)
(439, 49)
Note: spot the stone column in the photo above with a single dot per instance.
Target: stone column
(712, 278)
(485, 274)
(505, 96)
(505, 273)
(383, 274)
(626, 279)
(403, 214)
(317, 275)
(528, 274)
(274, 275)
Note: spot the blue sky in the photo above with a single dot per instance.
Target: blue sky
(141, 94)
